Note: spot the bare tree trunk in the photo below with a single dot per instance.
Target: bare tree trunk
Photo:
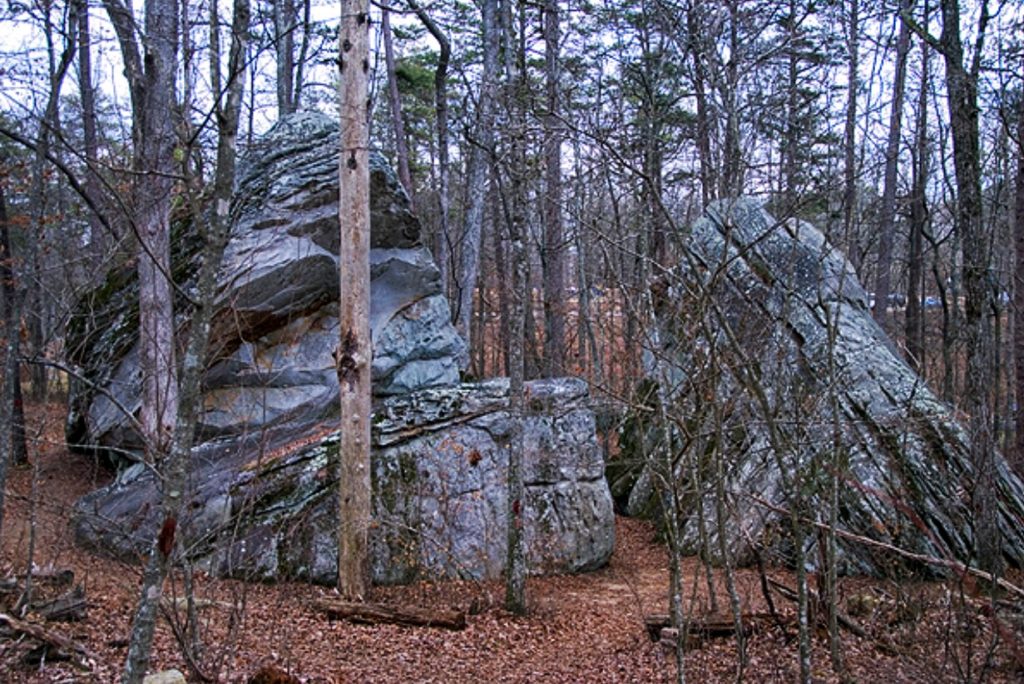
(300, 66)
(732, 170)
(152, 86)
(354, 353)
(979, 298)
(850, 133)
(38, 299)
(887, 220)
(553, 262)
(695, 42)
(9, 419)
(397, 123)
(443, 247)
(914, 316)
(1018, 297)
(12, 432)
(513, 208)
(99, 241)
(482, 140)
(284, 42)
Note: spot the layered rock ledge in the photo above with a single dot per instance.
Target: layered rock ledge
(776, 378)
(260, 498)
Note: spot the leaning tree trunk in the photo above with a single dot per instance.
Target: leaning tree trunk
(354, 353)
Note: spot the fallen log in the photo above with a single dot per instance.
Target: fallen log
(698, 627)
(68, 607)
(377, 614)
(79, 654)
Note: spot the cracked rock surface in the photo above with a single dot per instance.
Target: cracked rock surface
(260, 499)
(779, 378)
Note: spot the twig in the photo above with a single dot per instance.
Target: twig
(910, 555)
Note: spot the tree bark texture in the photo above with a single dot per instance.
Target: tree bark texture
(519, 299)
(1018, 300)
(850, 132)
(13, 406)
(553, 260)
(99, 241)
(914, 316)
(354, 353)
(284, 42)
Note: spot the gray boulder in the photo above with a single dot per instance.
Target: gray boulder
(277, 326)
(260, 497)
(266, 509)
(767, 356)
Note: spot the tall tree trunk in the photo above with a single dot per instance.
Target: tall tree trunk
(1018, 297)
(514, 210)
(48, 126)
(481, 143)
(553, 262)
(300, 66)
(979, 301)
(850, 134)
(887, 219)
(354, 353)
(695, 42)
(284, 42)
(152, 85)
(443, 241)
(914, 316)
(395, 102)
(731, 179)
(12, 420)
(99, 241)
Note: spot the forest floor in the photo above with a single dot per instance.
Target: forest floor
(583, 628)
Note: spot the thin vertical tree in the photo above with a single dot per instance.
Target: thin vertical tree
(514, 210)
(850, 129)
(284, 43)
(887, 216)
(914, 315)
(553, 262)
(395, 103)
(481, 143)
(354, 354)
(1018, 298)
(443, 240)
(152, 89)
(976, 240)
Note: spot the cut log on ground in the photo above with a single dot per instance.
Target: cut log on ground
(378, 614)
(700, 627)
(76, 652)
(68, 607)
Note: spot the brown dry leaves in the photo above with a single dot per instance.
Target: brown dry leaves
(586, 628)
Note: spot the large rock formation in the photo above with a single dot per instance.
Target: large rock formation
(773, 372)
(276, 328)
(440, 460)
(259, 496)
